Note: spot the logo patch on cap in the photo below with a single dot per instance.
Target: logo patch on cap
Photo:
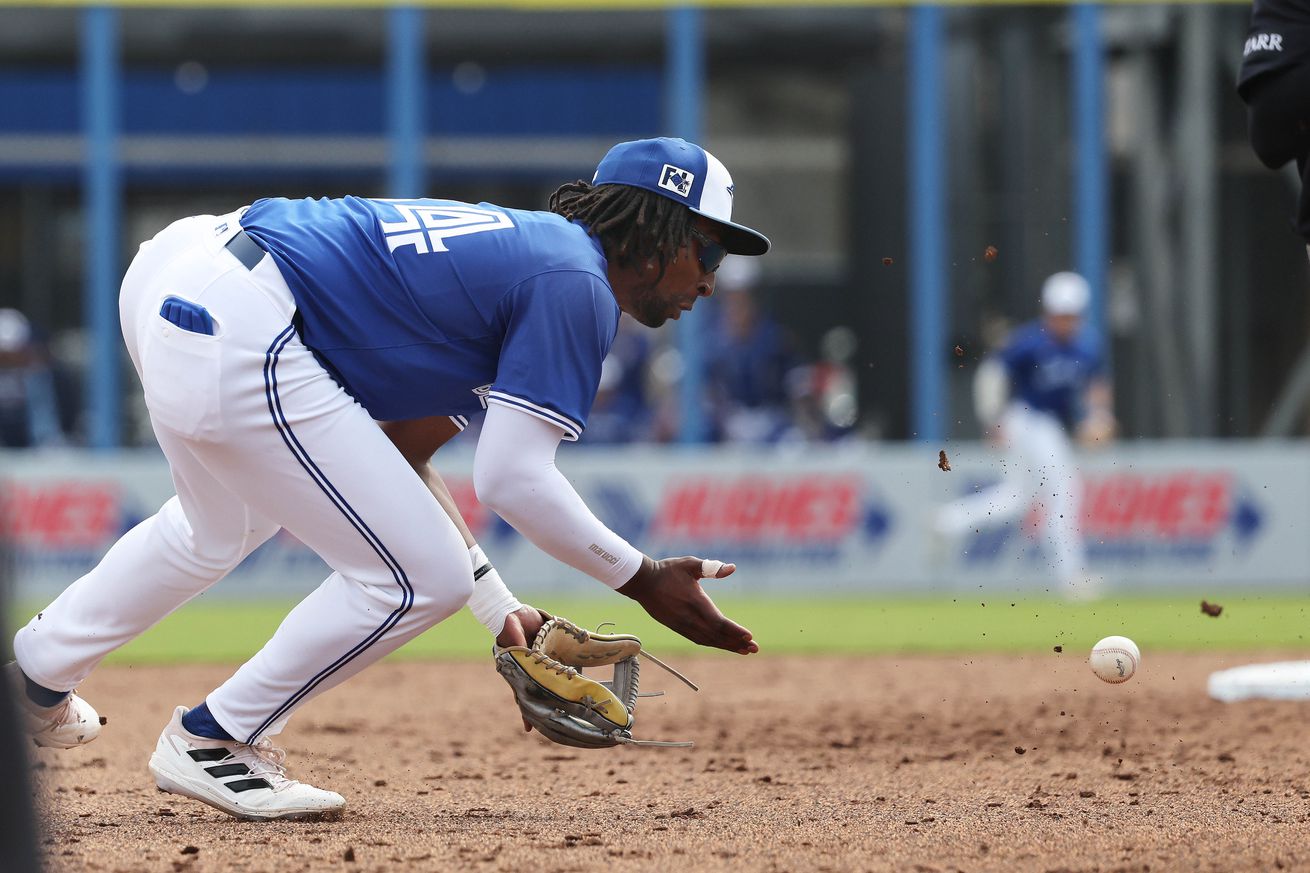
(677, 180)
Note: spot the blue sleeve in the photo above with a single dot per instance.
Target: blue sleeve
(1095, 362)
(559, 327)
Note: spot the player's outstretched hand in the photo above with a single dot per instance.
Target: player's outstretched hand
(670, 591)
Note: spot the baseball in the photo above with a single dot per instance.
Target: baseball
(1115, 659)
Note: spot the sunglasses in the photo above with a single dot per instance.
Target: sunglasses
(711, 253)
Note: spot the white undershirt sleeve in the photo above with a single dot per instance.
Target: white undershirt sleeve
(515, 476)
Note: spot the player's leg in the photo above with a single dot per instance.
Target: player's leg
(315, 461)
(1007, 499)
(301, 452)
(325, 470)
(195, 539)
(192, 542)
(1060, 496)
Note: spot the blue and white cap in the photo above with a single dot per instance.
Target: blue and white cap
(684, 172)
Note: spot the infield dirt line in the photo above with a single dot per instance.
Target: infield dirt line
(998, 763)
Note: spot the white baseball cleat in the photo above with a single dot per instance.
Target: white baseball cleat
(246, 781)
(66, 725)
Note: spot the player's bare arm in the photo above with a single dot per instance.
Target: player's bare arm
(417, 440)
(1100, 399)
(1099, 426)
(516, 477)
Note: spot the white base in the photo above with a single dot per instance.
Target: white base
(1285, 680)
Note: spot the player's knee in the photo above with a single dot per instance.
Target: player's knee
(440, 595)
(209, 554)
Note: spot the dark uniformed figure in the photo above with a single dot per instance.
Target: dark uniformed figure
(1275, 83)
(17, 830)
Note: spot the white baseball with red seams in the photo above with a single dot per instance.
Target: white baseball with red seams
(1115, 659)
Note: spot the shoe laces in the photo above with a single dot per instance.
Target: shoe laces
(51, 716)
(552, 664)
(267, 761)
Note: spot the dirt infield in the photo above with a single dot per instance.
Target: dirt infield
(817, 764)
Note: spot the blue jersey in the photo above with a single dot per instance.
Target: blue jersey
(435, 307)
(1048, 375)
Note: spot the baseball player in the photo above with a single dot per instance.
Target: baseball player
(1055, 383)
(272, 341)
(1274, 81)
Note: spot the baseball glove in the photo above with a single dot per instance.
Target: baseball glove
(566, 706)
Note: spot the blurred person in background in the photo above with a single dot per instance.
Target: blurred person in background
(749, 363)
(825, 399)
(1046, 383)
(622, 413)
(664, 388)
(1274, 82)
(29, 412)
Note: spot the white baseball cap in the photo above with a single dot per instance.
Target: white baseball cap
(1065, 294)
(686, 173)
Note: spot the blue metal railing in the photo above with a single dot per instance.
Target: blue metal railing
(408, 94)
(102, 186)
(684, 86)
(1091, 197)
(928, 226)
(405, 99)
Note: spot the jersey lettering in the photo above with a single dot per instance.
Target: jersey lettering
(1263, 42)
(1056, 374)
(426, 227)
(481, 393)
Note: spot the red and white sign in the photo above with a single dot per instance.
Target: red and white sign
(848, 521)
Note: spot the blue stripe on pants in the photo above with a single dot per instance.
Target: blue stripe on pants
(302, 456)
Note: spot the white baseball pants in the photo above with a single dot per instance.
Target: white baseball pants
(258, 437)
(1039, 466)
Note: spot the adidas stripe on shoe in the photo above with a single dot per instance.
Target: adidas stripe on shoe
(246, 781)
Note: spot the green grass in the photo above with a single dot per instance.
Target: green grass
(221, 632)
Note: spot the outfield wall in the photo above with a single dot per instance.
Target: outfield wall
(847, 520)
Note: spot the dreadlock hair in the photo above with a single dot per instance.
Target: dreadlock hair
(633, 225)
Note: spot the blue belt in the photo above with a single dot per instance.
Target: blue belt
(192, 316)
(244, 248)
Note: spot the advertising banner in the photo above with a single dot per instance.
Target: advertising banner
(822, 520)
